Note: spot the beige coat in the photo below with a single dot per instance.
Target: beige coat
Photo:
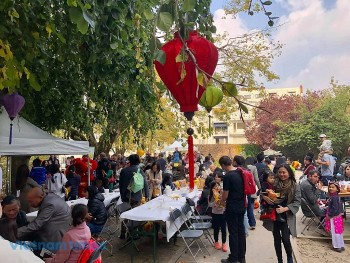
(157, 180)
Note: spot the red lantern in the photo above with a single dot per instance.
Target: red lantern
(13, 104)
(187, 92)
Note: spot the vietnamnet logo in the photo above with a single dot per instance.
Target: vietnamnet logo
(54, 246)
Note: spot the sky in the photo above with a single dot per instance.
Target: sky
(315, 34)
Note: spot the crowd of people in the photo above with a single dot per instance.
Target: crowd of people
(45, 187)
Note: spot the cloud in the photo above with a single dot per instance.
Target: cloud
(316, 42)
(227, 23)
(316, 39)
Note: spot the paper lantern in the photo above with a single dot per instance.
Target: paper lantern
(140, 152)
(187, 92)
(211, 97)
(13, 103)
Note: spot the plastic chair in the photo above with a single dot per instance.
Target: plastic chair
(189, 236)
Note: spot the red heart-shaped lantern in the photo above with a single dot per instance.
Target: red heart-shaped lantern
(186, 92)
(181, 77)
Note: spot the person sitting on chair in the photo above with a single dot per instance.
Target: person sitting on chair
(75, 240)
(310, 191)
(97, 215)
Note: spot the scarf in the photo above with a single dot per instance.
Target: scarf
(286, 189)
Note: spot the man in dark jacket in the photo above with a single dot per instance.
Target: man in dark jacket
(124, 181)
(52, 222)
(260, 165)
(311, 193)
(161, 162)
(125, 178)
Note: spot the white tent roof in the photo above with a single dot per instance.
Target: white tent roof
(176, 144)
(27, 139)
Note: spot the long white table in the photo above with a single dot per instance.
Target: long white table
(158, 209)
(108, 198)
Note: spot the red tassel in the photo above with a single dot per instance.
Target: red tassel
(191, 161)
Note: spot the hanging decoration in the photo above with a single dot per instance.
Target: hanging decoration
(13, 103)
(188, 67)
(211, 97)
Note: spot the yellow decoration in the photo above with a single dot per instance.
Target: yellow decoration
(140, 153)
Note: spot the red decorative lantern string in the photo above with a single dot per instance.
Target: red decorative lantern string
(181, 77)
(13, 104)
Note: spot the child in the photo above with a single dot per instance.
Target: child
(267, 184)
(334, 219)
(218, 218)
(326, 146)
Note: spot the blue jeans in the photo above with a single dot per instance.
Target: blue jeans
(95, 229)
(250, 212)
(245, 222)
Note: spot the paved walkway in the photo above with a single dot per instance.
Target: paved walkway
(260, 249)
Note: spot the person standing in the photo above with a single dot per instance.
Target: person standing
(327, 167)
(285, 224)
(234, 200)
(260, 165)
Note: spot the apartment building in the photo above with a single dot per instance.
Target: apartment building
(232, 130)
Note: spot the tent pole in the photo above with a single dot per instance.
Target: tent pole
(89, 170)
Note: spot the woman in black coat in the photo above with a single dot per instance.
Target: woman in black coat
(97, 215)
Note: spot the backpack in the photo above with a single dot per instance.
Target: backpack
(137, 182)
(248, 182)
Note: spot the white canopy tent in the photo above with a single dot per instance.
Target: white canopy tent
(27, 139)
(176, 144)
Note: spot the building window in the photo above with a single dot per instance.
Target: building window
(258, 96)
(240, 126)
(248, 96)
(221, 140)
(220, 127)
(291, 93)
(273, 93)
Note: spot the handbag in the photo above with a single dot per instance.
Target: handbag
(156, 192)
(268, 215)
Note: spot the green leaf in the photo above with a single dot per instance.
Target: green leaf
(268, 13)
(75, 14)
(267, 3)
(33, 83)
(189, 5)
(114, 45)
(243, 107)
(160, 56)
(148, 14)
(88, 19)
(229, 89)
(83, 26)
(72, 3)
(213, 29)
(165, 21)
(270, 23)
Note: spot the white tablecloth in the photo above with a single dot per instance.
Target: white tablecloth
(158, 209)
(108, 198)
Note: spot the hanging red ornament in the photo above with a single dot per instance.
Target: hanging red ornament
(13, 103)
(181, 77)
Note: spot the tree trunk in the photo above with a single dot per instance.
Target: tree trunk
(16, 161)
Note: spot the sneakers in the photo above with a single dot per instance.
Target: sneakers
(224, 247)
(217, 246)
